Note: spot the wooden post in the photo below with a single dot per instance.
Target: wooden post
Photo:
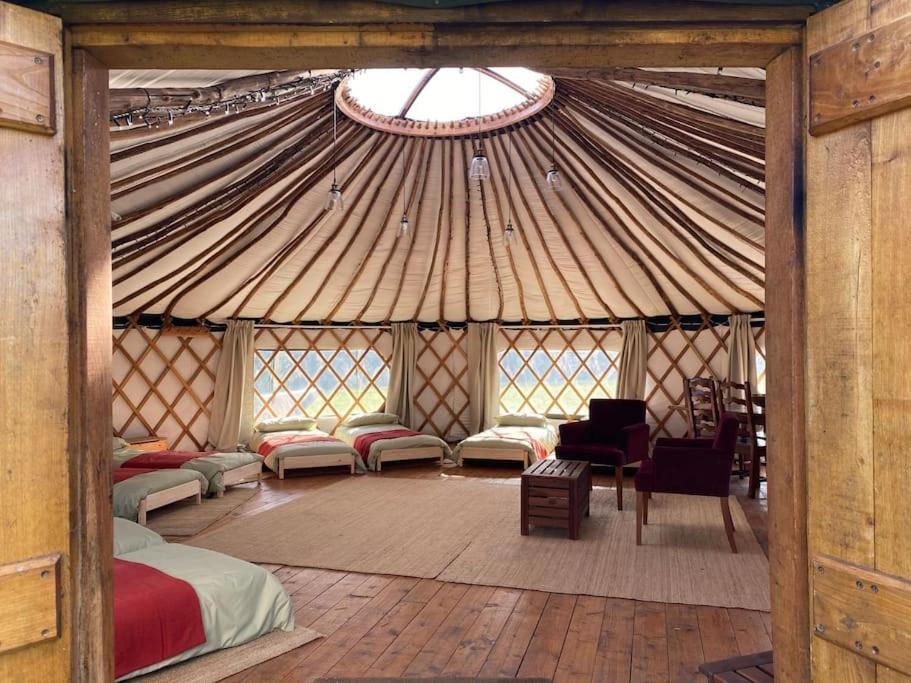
(786, 338)
(88, 247)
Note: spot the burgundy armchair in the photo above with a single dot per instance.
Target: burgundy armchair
(696, 467)
(615, 434)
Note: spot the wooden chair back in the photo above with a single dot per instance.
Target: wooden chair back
(738, 398)
(703, 407)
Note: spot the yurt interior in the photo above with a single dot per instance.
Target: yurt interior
(454, 340)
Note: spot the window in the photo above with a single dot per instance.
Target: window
(318, 382)
(556, 372)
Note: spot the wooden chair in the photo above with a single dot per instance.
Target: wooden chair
(702, 406)
(739, 399)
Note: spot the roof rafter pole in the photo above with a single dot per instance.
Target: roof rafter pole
(499, 78)
(144, 241)
(493, 260)
(131, 99)
(416, 92)
(221, 147)
(414, 236)
(747, 90)
(633, 184)
(541, 146)
(718, 194)
(520, 290)
(445, 168)
(467, 179)
(376, 153)
(392, 158)
(684, 122)
(553, 264)
(422, 154)
(567, 242)
(449, 232)
(625, 179)
(590, 191)
(410, 144)
(244, 235)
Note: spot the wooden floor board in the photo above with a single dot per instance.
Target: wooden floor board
(377, 625)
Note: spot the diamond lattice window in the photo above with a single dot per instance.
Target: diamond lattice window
(322, 374)
(556, 372)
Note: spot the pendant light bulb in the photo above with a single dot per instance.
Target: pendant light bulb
(554, 179)
(480, 167)
(404, 225)
(509, 234)
(334, 200)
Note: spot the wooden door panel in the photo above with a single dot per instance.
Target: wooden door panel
(858, 326)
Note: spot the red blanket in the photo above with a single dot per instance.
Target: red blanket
(539, 448)
(363, 443)
(162, 460)
(270, 443)
(124, 474)
(156, 617)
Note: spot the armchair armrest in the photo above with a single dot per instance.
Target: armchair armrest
(572, 433)
(635, 441)
(684, 443)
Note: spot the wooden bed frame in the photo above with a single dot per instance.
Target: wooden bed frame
(159, 499)
(418, 453)
(239, 475)
(508, 454)
(300, 462)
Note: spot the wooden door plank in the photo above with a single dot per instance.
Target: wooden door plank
(544, 649)
(27, 86)
(506, 657)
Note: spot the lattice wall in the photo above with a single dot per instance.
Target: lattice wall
(164, 385)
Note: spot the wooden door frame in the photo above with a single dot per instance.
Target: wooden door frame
(622, 34)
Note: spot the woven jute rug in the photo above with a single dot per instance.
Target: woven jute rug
(186, 518)
(216, 666)
(468, 532)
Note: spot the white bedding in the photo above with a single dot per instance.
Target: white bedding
(239, 601)
(302, 448)
(511, 438)
(349, 436)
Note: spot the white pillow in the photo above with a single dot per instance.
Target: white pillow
(117, 443)
(287, 424)
(371, 419)
(130, 537)
(521, 420)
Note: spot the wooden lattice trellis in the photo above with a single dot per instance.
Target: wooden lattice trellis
(329, 372)
(556, 371)
(163, 385)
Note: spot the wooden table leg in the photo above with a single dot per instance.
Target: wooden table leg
(523, 517)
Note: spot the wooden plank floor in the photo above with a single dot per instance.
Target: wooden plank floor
(411, 628)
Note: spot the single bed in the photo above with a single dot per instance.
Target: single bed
(294, 443)
(137, 492)
(379, 438)
(516, 438)
(173, 602)
(220, 470)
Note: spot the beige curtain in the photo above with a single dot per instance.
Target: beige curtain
(400, 396)
(483, 376)
(741, 351)
(231, 422)
(633, 358)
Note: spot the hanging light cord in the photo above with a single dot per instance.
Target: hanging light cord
(553, 140)
(404, 198)
(334, 137)
(479, 110)
(509, 180)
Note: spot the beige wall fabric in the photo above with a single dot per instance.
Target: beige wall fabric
(741, 351)
(633, 360)
(231, 422)
(483, 376)
(400, 395)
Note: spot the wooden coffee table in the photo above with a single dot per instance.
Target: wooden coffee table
(555, 493)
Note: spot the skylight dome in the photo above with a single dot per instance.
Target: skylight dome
(443, 102)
